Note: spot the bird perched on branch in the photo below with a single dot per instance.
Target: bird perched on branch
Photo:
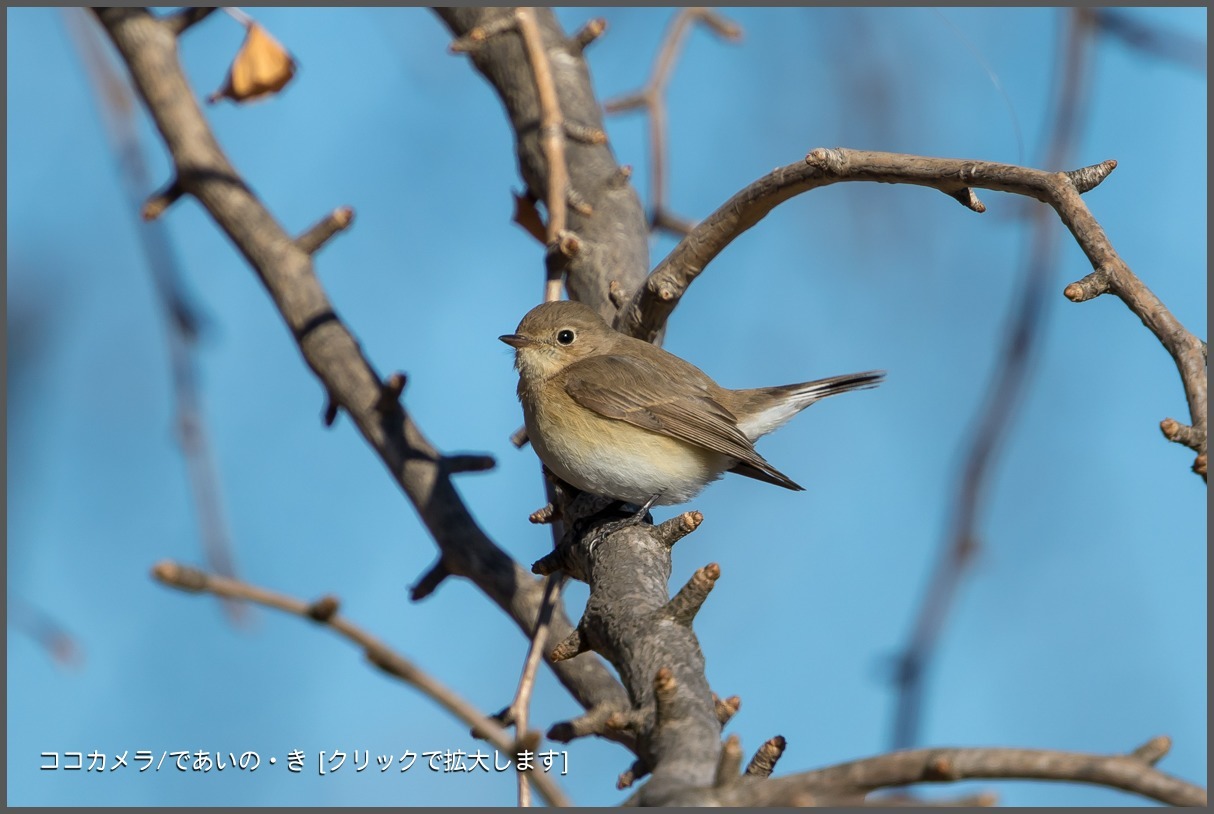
(619, 417)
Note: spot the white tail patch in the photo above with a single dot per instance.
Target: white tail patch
(793, 399)
(777, 415)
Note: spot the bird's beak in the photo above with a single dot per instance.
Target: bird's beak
(516, 340)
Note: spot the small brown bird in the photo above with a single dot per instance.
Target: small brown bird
(619, 417)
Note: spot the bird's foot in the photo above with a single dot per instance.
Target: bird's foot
(605, 530)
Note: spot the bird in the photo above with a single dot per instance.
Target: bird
(622, 418)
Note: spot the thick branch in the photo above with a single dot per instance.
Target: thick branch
(627, 621)
(613, 245)
(149, 50)
(610, 227)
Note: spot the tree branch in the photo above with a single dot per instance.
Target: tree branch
(182, 317)
(1006, 392)
(1170, 46)
(652, 98)
(149, 50)
(324, 611)
(646, 314)
(518, 709)
(611, 231)
(850, 781)
(561, 244)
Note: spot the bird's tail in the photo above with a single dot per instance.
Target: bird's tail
(770, 413)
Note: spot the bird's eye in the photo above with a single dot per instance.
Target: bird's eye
(565, 337)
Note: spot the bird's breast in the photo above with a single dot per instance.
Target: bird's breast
(613, 458)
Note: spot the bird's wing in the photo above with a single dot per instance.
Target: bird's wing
(681, 410)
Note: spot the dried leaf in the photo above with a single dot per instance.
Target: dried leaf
(528, 217)
(261, 67)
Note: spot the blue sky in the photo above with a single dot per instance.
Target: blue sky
(1082, 626)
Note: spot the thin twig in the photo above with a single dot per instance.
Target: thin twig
(652, 97)
(239, 16)
(1006, 392)
(552, 138)
(182, 317)
(325, 612)
(325, 229)
(522, 698)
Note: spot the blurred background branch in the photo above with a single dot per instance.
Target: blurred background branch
(652, 99)
(1007, 391)
(183, 320)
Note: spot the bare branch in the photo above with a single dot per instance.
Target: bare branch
(1171, 46)
(646, 315)
(729, 766)
(684, 606)
(612, 239)
(478, 34)
(161, 200)
(1007, 390)
(458, 464)
(678, 527)
(44, 629)
(633, 773)
(569, 646)
(764, 761)
(149, 50)
(429, 581)
(323, 231)
(518, 709)
(588, 33)
(325, 612)
(652, 98)
(850, 781)
(726, 708)
(593, 722)
(181, 315)
(552, 137)
(1153, 750)
(981, 800)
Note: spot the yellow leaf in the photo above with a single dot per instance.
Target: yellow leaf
(262, 66)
